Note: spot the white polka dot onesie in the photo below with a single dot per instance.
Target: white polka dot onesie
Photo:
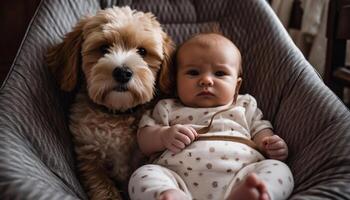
(210, 169)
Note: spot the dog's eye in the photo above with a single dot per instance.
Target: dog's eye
(142, 51)
(104, 49)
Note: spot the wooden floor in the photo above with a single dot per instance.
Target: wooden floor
(15, 16)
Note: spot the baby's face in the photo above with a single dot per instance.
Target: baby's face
(207, 76)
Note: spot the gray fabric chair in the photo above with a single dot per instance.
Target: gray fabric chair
(36, 156)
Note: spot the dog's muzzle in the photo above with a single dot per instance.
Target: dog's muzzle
(122, 75)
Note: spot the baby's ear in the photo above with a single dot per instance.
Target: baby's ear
(238, 87)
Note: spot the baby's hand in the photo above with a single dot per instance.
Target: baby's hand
(275, 147)
(177, 137)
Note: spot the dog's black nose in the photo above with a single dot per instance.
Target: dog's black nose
(122, 74)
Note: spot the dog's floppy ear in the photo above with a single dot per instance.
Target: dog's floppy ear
(165, 77)
(64, 59)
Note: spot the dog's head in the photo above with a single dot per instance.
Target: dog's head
(119, 51)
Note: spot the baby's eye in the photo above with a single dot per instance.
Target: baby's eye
(192, 72)
(220, 73)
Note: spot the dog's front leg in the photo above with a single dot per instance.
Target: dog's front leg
(94, 177)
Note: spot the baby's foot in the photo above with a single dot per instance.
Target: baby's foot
(173, 194)
(251, 188)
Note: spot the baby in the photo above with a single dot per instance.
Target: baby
(207, 76)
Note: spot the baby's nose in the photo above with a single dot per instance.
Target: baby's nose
(206, 81)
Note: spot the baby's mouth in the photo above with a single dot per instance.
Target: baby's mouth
(205, 93)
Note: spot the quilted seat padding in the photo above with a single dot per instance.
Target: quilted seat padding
(36, 155)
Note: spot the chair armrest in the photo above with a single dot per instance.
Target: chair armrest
(36, 152)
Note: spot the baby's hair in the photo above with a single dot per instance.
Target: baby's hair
(202, 42)
(207, 43)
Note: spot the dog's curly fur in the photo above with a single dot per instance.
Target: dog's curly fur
(118, 54)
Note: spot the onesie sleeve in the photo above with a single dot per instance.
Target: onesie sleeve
(159, 115)
(254, 116)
